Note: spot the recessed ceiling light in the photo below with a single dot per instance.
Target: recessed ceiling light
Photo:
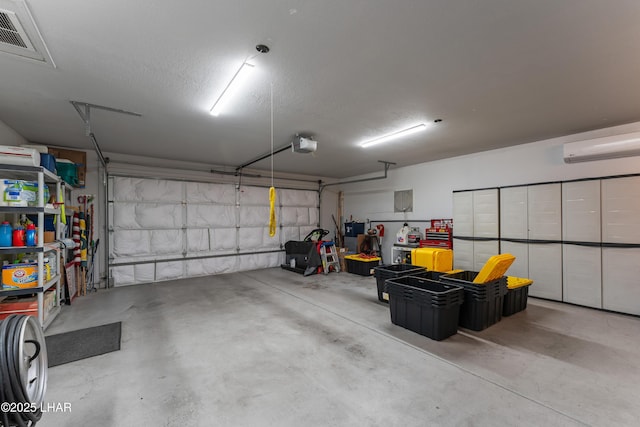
(394, 135)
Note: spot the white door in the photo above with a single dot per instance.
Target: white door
(485, 213)
(581, 211)
(520, 267)
(463, 213)
(545, 269)
(621, 225)
(544, 212)
(513, 213)
(581, 265)
(620, 273)
(582, 275)
(482, 251)
(544, 205)
(463, 254)
(621, 210)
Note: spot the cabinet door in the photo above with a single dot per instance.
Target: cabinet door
(581, 211)
(513, 213)
(620, 284)
(485, 213)
(545, 269)
(463, 214)
(544, 206)
(520, 267)
(463, 254)
(621, 210)
(482, 251)
(582, 275)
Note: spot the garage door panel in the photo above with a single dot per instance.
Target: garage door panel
(252, 216)
(128, 243)
(151, 215)
(223, 238)
(198, 240)
(254, 196)
(142, 189)
(166, 242)
(298, 198)
(211, 216)
(204, 192)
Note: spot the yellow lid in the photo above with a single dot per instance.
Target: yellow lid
(517, 282)
(454, 271)
(494, 268)
(361, 258)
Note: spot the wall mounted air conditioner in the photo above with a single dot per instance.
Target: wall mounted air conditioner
(608, 147)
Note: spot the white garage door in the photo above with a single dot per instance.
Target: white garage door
(166, 229)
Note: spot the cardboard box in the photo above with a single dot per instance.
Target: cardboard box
(49, 303)
(77, 157)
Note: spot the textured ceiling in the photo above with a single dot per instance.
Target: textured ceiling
(497, 72)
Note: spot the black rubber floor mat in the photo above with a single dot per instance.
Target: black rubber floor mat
(83, 343)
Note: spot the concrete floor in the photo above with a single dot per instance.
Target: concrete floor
(271, 347)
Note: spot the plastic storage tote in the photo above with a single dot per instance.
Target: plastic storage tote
(436, 259)
(425, 306)
(482, 305)
(494, 268)
(517, 293)
(361, 265)
(391, 271)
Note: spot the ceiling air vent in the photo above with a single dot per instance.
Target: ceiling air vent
(9, 33)
(19, 35)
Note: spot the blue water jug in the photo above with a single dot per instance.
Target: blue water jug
(31, 238)
(5, 234)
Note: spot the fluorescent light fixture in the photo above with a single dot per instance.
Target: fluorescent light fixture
(394, 135)
(238, 80)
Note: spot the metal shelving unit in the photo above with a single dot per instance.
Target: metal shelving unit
(43, 176)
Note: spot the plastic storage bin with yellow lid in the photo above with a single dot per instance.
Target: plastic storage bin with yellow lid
(435, 259)
(361, 265)
(494, 268)
(482, 306)
(517, 294)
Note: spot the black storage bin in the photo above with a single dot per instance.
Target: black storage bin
(352, 229)
(483, 303)
(425, 306)
(515, 300)
(391, 271)
(360, 265)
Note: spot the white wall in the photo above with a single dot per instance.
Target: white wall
(9, 136)
(434, 182)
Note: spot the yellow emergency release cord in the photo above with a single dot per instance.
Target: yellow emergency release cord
(272, 190)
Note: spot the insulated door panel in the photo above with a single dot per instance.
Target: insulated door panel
(582, 275)
(513, 213)
(545, 269)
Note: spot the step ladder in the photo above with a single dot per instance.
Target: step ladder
(329, 257)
